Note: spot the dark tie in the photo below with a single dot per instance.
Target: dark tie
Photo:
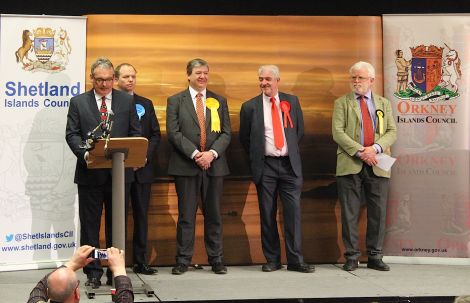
(201, 119)
(367, 127)
(103, 109)
(277, 130)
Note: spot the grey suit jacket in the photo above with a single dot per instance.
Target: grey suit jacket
(346, 129)
(83, 116)
(252, 133)
(184, 133)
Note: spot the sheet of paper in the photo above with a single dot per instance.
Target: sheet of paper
(384, 161)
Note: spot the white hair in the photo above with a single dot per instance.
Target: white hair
(360, 65)
(273, 68)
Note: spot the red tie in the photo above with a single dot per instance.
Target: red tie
(277, 130)
(367, 127)
(201, 119)
(103, 109)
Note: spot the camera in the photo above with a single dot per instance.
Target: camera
(101, 254)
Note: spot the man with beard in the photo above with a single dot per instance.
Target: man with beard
(363, 127)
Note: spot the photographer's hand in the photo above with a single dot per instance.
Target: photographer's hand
(80, 258)
(116, 261)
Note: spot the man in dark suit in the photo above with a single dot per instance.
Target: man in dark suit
(86, 111)
(271, 143)
(363, 126)
(125, 78)
(198, 128)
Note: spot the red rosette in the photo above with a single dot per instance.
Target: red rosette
(285, 108)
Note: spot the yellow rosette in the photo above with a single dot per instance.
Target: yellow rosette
(380, 116)
(213, 105)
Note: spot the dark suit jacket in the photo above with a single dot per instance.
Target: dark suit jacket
(252, 133)
(150, 130)
(183, 133)
(83, 116)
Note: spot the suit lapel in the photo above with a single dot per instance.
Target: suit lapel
(355, 106)
(93, 106)
(377, 103)
(283, 97)
(378, 106)
(189, 106)
(208, 111)
(114, 103)
(259, 114)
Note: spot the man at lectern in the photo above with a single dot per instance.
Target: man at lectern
(198, 128)
(86, 112)
(364, 128)
(126, 79)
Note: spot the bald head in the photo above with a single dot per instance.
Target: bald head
(62, 286)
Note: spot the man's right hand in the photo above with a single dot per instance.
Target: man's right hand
(116, 261)
(204, 159)
(368, 155)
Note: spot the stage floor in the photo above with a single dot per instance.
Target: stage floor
(404, 283)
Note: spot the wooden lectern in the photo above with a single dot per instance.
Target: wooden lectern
(117, 154)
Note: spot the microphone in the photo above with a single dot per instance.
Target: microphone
(109, 126)
(105, 125)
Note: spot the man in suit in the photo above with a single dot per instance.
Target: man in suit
(86, 111)
(198, 128)
(125, 79)
(271, 126)
(363, 126)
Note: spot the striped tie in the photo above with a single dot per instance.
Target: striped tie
(201, 119)
(103, 109)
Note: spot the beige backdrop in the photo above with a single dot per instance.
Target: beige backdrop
(314, 55)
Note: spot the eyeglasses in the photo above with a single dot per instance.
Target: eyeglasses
(359, 78)
(100, 81)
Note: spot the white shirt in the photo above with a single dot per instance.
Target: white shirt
(194, 93)
(269, 148)
(108, 100)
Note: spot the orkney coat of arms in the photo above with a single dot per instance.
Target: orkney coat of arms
(431, 74)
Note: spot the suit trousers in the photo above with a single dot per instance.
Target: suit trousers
(90, 207)
(352, 191)
(279, 178)
(188, 189)
(140, 198)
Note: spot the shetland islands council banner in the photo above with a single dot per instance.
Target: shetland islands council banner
(42, 64)
(426, 59)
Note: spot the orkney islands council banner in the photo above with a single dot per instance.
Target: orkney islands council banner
(426, 74)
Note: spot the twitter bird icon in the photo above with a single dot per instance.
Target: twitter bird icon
(9, 237)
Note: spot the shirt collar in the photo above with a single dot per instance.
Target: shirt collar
(98, 97)
(193, 93)
(268, 99)
(368, 95)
